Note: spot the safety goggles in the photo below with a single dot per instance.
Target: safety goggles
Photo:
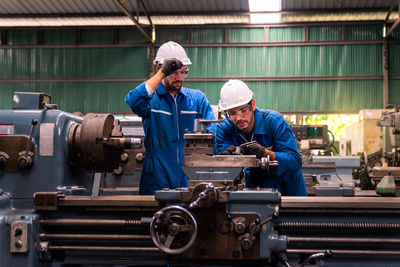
(243, 111)
(181, 72)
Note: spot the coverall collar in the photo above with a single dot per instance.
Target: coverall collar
(259, 122)
(259, 125)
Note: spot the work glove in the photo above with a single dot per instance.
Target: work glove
(229, 151)
(170, 66)
(256, 149)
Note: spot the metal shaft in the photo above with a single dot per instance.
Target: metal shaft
(94, 237)
(343, 240)
(98, 248)
(345, 252)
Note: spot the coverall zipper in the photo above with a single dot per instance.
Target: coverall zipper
(177, 130)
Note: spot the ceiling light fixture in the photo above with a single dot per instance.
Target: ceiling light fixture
(264, 5)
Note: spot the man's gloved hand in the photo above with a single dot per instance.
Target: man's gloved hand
(258, 150)
(229, 151)
(170, 66)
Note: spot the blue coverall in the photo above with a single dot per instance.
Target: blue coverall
(164, 121)
(270, 129)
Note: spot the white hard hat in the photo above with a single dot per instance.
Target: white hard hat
(171, 50)
(234, 93)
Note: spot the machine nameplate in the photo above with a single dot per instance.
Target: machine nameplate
(46, 143)
(6, 129)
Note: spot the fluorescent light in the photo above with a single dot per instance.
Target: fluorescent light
(264, 5)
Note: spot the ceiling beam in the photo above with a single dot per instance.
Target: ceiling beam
(396, 23)
(138, 25)
(199, 13)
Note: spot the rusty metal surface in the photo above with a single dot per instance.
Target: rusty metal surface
(195, 187)
(12, 145)
(134, 161)
(379, 172)
(211, 244)
(45, 200)
(52, 200)
(220, 161)
(87, 142)
(109, 201)
(198, 150)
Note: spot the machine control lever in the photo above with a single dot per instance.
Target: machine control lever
(266, 163)
(254, 228)
(206, 198)
(326, 254)
(24, 160)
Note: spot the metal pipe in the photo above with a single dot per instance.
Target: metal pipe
(94, 237)
(91, 223)
(343, 240)
(345, 252)
(97, 248)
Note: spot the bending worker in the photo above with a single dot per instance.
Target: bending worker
(167, 110)
(274, 138)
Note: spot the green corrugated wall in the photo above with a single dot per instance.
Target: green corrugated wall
(335, 60)
(67, 73)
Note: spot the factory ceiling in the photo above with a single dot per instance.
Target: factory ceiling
(56, 13)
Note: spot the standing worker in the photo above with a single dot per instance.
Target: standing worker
(167, 110)
(244, 123)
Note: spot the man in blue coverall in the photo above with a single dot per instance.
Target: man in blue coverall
(245, 123)
(167, 110)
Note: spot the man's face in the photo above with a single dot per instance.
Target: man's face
(243, 117)
(173, 82)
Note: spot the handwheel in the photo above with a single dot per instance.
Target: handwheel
(173, 229)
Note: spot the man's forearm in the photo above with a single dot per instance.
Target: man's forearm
(153, 82)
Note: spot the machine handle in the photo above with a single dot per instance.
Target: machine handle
(28, 145)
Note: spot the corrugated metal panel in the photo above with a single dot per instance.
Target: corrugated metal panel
(59, 36)
(325, 33)
(395, 34)
(345, 96)
(106, 6)
(131, 36)
(121, 21)
(83, 97)
(364, 32)
(291, 34)
(66, 63)
(200, 35)
(244, 35)
(21, 37)
(329, 4)
(394, 92)
(286, 61)
(342, 16)
(96, 36)
(394, 52)
(177, 35)
(203, 5)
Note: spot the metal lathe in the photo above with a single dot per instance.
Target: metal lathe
(56, 210)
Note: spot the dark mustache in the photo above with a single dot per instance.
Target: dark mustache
(239, 122)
